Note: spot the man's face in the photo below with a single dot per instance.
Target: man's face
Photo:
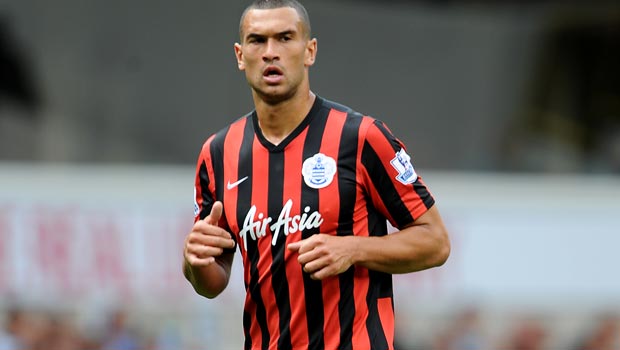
(275, 53)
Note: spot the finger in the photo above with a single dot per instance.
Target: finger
(216, 213)
(315, 265)
(294, 246)
(222, 240)
(202, 251)
(202, 228)
(320, 275)
(193, 260)
(305, 258)
(322, 270)
(304, 245)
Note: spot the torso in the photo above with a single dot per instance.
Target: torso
(313, 181)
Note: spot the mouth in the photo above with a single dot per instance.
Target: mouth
(272, 71)
(272, 75)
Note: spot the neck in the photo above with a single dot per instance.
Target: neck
(278, 121)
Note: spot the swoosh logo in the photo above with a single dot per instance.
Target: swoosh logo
(230, 186)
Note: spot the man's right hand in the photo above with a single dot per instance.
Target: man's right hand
(207, 240)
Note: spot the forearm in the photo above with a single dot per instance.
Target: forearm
(209, 281)
(412, 249)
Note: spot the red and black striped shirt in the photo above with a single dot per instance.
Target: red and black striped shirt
(339, 173)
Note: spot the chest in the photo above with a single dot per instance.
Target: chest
(274, 195)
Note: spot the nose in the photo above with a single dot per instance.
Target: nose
(271, 50)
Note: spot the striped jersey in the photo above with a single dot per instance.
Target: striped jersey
(339, 173)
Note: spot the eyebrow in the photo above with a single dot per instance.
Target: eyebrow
(253, 36)
(280, 34)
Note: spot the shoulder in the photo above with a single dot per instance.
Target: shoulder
(366, 126)
(348, 111)
(335, 106)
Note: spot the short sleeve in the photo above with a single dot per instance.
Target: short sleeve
(390, 178)
(203, 183)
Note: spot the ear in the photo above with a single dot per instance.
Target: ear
(239, 55)
(311, 48)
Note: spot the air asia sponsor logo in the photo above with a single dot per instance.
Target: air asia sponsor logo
(255, 225)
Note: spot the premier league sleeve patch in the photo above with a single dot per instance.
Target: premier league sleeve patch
(196, 207)
(319, 170)
(402, 164)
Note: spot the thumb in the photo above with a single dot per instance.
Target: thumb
(216, 213)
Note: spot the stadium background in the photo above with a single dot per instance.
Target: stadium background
(511, 110)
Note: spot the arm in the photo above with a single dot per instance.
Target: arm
(205, 264)
(422, 245)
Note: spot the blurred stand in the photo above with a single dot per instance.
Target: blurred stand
(118, 335)
(39, 330)
(527, 334)
(101, 271)
(527, 86)
(571, 120)
(20, 96)
(11, 332)
(604, 334)
(463, 333)
(17, 83)
(489, 95)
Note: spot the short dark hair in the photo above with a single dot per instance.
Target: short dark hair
(276, 4)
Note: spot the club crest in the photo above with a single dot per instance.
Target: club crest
(402, 164)
(319, 170)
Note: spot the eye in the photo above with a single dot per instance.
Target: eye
(286, 38)
(256, 40)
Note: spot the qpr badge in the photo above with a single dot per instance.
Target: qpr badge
(402, 164)
(319, 170)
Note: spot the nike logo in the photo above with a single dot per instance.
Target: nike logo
(230, 186)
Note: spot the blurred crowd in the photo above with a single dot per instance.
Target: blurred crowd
(465, 331)
(39, 330)
(33, 330)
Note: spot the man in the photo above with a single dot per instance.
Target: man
(304, 186)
